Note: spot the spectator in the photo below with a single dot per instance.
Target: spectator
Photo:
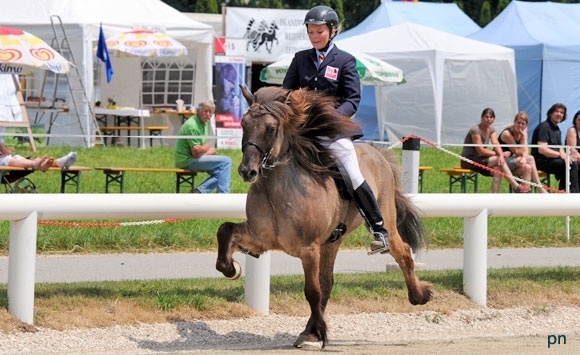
(518, 158)
(10, 111)
(194, 153)
(549, 157)
(474, 150)
(573, 136)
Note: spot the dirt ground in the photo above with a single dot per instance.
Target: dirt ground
(474, 346)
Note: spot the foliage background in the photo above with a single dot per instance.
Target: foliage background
(480, 11)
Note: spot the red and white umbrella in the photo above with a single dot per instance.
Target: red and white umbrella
(143, 43)
(21, 51)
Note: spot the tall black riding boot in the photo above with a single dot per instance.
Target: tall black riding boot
(369, 209)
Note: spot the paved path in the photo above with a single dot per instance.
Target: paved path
(77, 268)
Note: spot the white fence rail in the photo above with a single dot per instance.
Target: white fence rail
(24, 211)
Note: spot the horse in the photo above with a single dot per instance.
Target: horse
(269, 37)
(294, 203)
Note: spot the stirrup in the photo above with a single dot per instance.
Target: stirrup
(379, 245)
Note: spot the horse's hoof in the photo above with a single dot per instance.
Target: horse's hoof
(238, 269)
(304, 344)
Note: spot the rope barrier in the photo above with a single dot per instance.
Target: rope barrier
(110, 224)
(491, 170)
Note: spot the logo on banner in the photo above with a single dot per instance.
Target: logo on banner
(331, 73)
(261, 35)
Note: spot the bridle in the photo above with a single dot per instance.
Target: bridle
(266, 155)
(265, 152)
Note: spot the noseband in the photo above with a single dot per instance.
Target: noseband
(266, 155)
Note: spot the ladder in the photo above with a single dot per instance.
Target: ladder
(83, 106)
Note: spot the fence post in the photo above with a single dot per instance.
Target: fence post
(257, 285)
(410, 164)
(22, 267)
(475, 257)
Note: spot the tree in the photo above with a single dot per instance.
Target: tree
(485, 14)
(207, 6)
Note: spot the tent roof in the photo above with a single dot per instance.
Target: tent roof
(524, 24)
(410, 39)
(116, 15)
(443, 17)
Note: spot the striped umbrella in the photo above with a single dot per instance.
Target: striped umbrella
(21, 51)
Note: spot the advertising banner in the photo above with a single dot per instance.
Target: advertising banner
(230, 73)
(269, 34)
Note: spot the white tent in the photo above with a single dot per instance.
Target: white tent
(450, 80)
(81, 20)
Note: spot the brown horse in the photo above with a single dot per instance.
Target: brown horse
(294, 205)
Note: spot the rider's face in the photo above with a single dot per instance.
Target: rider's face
(319, 35)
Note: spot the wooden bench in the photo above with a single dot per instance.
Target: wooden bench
(115, 131)
(117, 176)
(422, 170)
(70, 176)
(461, 177)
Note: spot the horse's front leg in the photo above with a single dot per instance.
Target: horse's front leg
(314, 335)
(232, 236)
(225, 262)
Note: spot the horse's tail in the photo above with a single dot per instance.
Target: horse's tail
(409, 222)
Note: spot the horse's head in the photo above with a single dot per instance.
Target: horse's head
(262, 130)
(283, 125)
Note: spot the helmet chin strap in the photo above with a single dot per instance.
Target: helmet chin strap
(325, 48)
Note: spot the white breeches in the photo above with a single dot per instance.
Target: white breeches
(343, 150)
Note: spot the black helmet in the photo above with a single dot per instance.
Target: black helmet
(320, 15)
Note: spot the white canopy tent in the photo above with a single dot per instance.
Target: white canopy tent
(449, 81)
(81, 20)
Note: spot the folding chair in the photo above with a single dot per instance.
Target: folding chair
(17, 182)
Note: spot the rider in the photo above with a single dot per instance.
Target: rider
(329, 70)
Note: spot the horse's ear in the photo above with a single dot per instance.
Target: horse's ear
(247, 95)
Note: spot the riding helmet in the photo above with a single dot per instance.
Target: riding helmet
(320, 15)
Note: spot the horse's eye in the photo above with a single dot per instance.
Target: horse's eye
(271, 130)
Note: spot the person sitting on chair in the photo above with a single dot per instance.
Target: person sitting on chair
(7, 158)
(486, 160)
(194, 153)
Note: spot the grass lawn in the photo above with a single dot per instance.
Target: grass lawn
(193, 235)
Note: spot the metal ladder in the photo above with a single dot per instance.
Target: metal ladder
(80, 101)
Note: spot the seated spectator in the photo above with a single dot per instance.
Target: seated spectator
(194, 153)
(474, 150)
(42, 164)
(553, 159)
(573, 136)
(518, 159)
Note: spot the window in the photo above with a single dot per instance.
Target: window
(165, 81)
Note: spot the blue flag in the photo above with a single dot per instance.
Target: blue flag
(103, 54)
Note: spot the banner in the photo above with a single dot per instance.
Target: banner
(269, 34)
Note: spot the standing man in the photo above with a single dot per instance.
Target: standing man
(329, 70)
(194, 153)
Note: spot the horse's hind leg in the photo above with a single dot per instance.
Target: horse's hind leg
(419, 292)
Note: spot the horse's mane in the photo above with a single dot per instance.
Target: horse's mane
(305, 116)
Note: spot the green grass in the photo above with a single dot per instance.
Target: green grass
(194, 235)
(209, 295)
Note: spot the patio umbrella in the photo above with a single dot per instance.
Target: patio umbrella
(143, 43)
(20, 50)
(371, 71)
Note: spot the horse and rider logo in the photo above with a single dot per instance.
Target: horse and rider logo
(263, 35)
